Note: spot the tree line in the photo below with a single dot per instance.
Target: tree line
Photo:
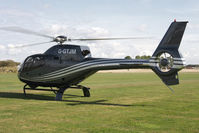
(139, 57)
(9, 63)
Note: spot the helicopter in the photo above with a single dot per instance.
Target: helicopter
(65, 65)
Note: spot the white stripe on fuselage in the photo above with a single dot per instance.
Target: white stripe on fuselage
(86, 64)
(64, 72)
(91, 64)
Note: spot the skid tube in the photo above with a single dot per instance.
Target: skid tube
(60, 91)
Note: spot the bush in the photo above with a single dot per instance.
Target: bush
(8, 63)
(8, 69)
(127, 57)
(8, 66)
(143, 57)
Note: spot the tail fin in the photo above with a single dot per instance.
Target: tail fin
(166, 60)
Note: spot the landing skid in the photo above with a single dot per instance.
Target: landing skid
(60, 91)
(37, 89)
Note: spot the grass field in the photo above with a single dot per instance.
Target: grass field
(119, 102)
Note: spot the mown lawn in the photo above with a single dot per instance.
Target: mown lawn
(119, 102)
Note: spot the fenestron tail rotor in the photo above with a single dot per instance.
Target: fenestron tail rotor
(61, 39)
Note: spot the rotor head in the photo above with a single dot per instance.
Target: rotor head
(60, 39)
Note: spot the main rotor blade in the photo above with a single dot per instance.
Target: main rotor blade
(24, 31)
(29, 45)
(95, 39)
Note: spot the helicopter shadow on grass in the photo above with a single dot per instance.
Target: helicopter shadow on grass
(16, 95)
(101, 102)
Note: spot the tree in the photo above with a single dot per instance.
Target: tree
(8, 63)
(127, 57)
(143, 57)
(137, 57)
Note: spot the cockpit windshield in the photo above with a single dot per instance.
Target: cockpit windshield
(33, 62)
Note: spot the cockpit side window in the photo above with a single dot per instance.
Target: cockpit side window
(85, 51)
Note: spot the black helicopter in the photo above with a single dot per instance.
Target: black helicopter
(64, 66)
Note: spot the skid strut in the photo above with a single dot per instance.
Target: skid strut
(59, 94)
(85, 90)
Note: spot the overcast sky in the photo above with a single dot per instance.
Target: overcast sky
(98, 18)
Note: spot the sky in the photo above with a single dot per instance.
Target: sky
(98, 18)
